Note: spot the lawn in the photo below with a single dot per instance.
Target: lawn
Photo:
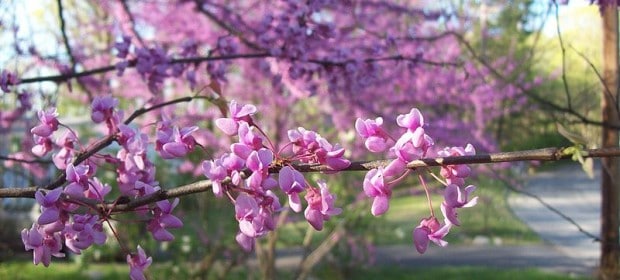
(490, 220)
(63, 271)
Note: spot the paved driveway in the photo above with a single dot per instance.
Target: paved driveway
(569, 190)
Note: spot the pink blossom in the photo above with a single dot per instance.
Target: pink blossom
(246, 242)
(430, 230)
(137, 264)
(44, 245)
(409, 147)
(411, 121)
(65, 155)
(458, 198)
(292, 183)
(176, 144)
(77, 174)
(310, 147)
(254, 220)
(456, 174)
(163, 219)
(50, 203)
(83, 232)
(249, 137)
(320, 206)
(49, 123)
(258, 161)
(238, 113)
(97, 190)
(103, 108)
(375, 187)
(216, 172)
(122, 47)
(454, 198)
(42, 147)
(375, 136)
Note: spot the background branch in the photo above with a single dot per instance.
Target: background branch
(133, 62)
(582, 118)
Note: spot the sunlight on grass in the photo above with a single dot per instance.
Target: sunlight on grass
(446, 272)
(491, 218)
(25, 270)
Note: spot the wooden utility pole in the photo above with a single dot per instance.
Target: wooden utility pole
(610, 184)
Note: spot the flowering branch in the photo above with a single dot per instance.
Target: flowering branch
(132, 63)
(546, 154)
(106, 141)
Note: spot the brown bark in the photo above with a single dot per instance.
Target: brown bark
(610, 172)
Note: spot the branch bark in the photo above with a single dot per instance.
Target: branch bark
(547, 154)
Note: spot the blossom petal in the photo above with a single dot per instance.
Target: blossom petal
(380, 205)
(228, 126)
(420, 239)
(48, 216)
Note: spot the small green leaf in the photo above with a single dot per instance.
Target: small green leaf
(577, 154)
(574, 137)
(588, 167)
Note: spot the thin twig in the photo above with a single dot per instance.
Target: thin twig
(227, 27)
(594, 237)
(600, 78)
(65, 38)
(563, 50)
(132, 20)
(583, 119)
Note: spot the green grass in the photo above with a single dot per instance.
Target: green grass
(461, 272)
(26, 270)
(61, 271)
(491, 218)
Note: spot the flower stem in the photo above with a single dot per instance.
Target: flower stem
(428, 195)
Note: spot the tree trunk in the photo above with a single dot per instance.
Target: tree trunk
(609, 186)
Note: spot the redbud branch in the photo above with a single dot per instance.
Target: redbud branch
(547, 154)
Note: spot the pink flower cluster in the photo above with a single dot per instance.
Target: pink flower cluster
(57, 223)
(245, 170)
(414, 144)
(153, 64)
(63, 219)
